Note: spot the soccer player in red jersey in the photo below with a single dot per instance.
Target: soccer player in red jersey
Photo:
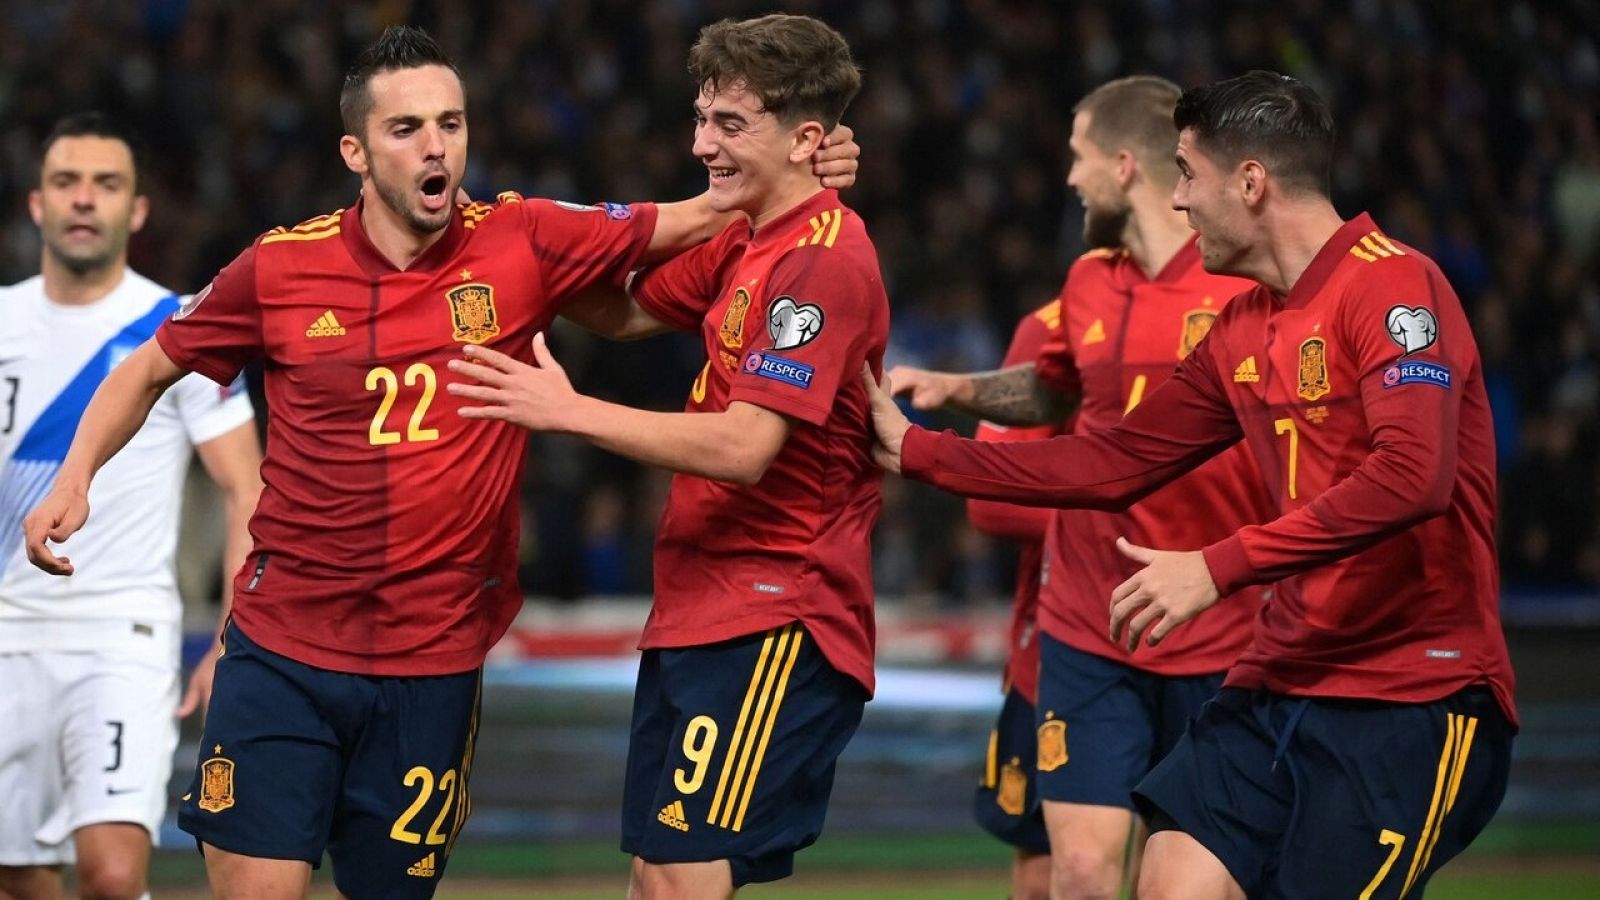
(345, 704)
(1130, 311)
(758, 650)
(1006, 801)
(1364, 738)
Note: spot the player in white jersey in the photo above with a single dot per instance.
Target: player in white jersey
(89, 664)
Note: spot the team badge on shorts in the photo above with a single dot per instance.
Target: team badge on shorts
(1314, 369)
(216, 783)
(1196, 325)
(732, 329)
(472, 313)
(1012, 795)
(1052, 745)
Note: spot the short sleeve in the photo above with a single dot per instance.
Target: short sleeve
(823, 310)
(1054, 363)
(579, 246)
(208, 410)
(679, 291)
(218, 330)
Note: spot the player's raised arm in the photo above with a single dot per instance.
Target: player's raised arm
(112, 418)
(689, 223)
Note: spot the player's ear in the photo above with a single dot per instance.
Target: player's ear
(354, 153)
(1127, 165)
(36, 208)
(141, 212)
(1252, 181)
(806, 139)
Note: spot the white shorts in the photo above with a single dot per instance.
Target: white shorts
(85, 738)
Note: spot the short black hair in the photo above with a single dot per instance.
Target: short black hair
(1266, 116)
(399, 47)
(93, 123)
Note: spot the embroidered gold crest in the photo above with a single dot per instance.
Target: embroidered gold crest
(732, 329)
(1052, 745)
(1196, 325)
(1314, 369)
(1012, 797)
(216, 784)
(472, 312)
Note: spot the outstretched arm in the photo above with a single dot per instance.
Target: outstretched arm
(114, 415)
(1014, 395)
(736, 445)
(611, 312)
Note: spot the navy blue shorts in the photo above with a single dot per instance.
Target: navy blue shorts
(296, 760)
(1006, 804)
(733, 751)
(1102, 724)
(1313, 798)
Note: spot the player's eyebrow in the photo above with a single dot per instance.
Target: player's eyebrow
(720, 115)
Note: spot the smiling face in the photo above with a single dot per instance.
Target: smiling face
(751, 155)
(1216, 209)
(414, 150)
(1094, 177)
(86, 205)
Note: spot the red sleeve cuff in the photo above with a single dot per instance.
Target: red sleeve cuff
(1230, 568)
(181, 357)
(918, 452)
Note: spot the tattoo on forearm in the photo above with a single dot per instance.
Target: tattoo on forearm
(1015, 396)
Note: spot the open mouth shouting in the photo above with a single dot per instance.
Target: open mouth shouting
(435, 189)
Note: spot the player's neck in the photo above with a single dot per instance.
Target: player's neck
(66, 286)
(1296, 232)
(394, 240)
(1154, 235)
(791, 192)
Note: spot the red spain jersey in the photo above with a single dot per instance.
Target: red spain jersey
(386, 536)
(1023, 524)
(1122, 334)
(1361, 396)
(788, 313)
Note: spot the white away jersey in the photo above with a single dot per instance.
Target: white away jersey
(52, 358)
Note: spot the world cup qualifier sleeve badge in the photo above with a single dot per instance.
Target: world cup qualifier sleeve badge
(472, 312)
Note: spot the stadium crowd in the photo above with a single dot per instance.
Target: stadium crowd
(1469, 130)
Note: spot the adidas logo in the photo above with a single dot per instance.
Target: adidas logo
(1246, 372)
(325, 326)
(1095, 334)
(672, 815)
(424, 867)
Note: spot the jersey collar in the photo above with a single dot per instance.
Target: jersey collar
(1327, 259)
(375, 264)
(783, 225)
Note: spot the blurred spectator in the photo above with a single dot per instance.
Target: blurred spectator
(1469, 129)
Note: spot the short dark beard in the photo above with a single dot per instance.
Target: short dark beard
(396, 201)
(81, 266)
(1104, 228)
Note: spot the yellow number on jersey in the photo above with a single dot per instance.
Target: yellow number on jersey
(1287, 426)
(385, 377)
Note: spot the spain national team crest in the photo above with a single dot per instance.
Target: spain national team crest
(1196, 325)
(1012, 796)
(472, 312)
(1314, 369)
(216, 784)
(1052, 745)
(732, 329)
